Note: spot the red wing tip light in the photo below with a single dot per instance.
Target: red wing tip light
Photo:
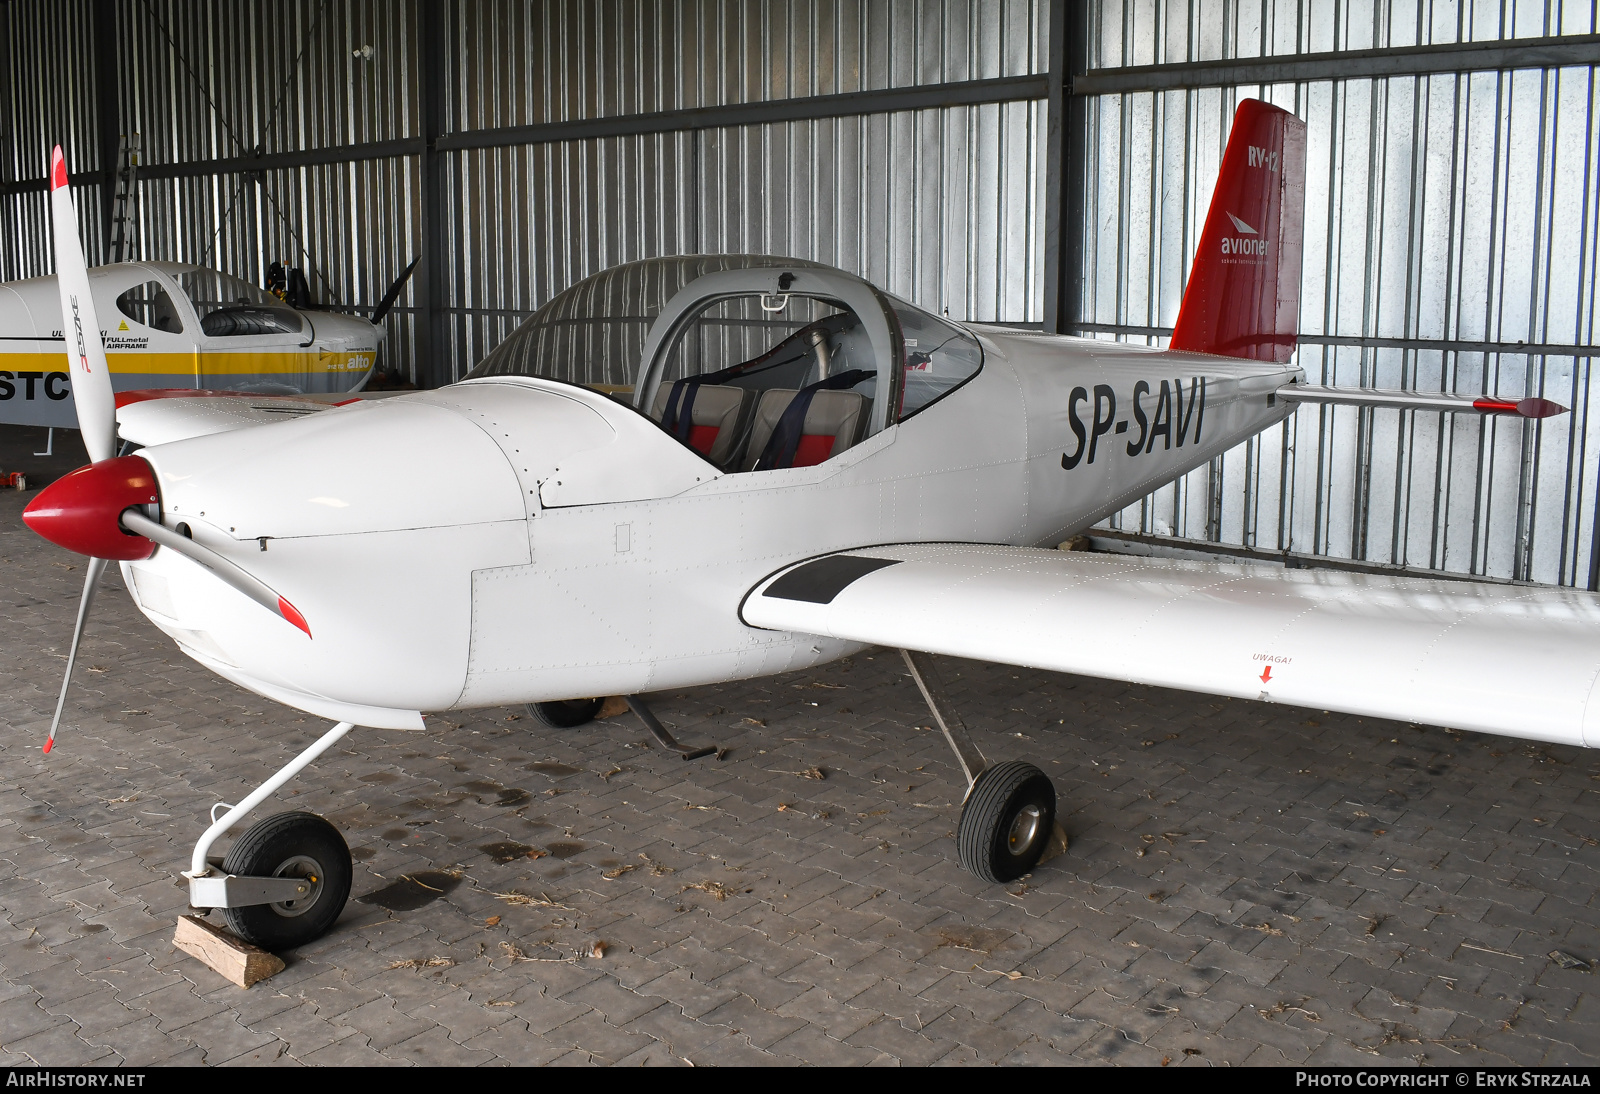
(292, 614)
(58, 170)
(1527, 408)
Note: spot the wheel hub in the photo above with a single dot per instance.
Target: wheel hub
(300, 866)
(1025, 829)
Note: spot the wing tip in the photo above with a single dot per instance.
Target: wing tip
(1539, 408)
(1527, 408)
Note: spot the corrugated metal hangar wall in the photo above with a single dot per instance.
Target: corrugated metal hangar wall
(1043, 162)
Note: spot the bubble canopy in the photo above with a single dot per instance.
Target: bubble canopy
(594, 332)
(661, 333)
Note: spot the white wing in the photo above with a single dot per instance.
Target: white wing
(1496, 658)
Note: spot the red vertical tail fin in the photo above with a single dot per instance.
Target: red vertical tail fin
(1243, 297)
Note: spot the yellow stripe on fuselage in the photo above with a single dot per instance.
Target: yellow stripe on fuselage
(204, 364)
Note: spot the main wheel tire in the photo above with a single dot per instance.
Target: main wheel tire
(290, 845)
(566, 713)
(1007, 821)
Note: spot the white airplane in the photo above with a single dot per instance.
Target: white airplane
(803, 466)
(175, 326)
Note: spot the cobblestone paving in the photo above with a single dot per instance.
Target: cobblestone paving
(1245, 884)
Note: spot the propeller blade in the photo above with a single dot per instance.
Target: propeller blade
(86, 353)
(394, 292)
(230, 574)
(91, 581)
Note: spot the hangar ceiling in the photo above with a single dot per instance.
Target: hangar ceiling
(939, 149)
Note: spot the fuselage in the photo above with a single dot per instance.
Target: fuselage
(547, 542)
(161, 332)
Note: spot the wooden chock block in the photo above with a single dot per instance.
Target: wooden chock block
(236, 960)
(614, 707)
(1056, 846)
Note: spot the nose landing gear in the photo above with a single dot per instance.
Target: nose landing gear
(287, 878)
(1009, 814)
(290, 845)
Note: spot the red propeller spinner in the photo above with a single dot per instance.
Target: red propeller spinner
(81, 511)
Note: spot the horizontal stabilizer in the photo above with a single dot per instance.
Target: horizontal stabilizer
(1420, 400)
(1494, 658)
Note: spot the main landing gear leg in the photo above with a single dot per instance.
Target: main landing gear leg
(1008, 815)
(659, 731)
(286, 879)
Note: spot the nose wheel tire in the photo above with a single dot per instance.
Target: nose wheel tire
(1007, 821)
(290, 845)
(566, 713)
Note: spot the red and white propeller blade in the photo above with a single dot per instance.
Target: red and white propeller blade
(80, 326)
(87, 510)
(91, 379)
(91, 580)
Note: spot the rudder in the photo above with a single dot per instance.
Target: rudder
(1243, 296)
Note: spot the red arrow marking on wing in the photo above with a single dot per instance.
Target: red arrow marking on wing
(1266, 674)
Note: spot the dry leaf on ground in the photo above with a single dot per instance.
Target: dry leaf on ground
(526, 901)
(424, 963)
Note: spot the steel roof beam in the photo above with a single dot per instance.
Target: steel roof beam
(1499, 55)
(851, 104)
(887, 100)
(1444, 345)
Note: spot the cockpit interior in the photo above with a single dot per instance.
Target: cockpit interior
(755, 363)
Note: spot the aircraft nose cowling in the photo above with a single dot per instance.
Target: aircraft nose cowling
(80, 510)
(372, 519)
(392, 465)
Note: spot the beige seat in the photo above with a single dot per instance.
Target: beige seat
(718, 419)
(835, 420)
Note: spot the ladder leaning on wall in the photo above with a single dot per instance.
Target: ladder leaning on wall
(125, 216)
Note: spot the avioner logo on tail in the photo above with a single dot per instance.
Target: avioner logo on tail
(1237, 245)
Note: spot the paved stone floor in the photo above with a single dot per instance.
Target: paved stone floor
(1245, 884)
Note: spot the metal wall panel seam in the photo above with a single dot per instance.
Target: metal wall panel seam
(1556, 51)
